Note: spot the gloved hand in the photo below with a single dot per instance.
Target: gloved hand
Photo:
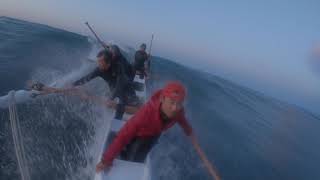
(101, 166)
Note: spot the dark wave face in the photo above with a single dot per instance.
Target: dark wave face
(244, 133)
(55, 137)
(25, 46)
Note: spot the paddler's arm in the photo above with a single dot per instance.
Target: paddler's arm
(124, 136)
(211, 169)
(42, 89)
(95, 73)
(189, 132)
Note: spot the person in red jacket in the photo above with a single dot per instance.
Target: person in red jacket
(162, 111)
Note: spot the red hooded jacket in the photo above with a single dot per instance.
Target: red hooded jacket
(145, 123)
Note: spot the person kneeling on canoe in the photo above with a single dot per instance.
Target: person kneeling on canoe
(140, 133)
(140, 61)
(114, 73)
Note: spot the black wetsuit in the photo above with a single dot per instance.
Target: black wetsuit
(137, 150)
(106, 75)
(139, 59)
(128, 68)
(119, 81)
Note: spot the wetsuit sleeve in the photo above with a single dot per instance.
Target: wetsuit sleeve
(125, 135)
(185, 125)
(87, 77)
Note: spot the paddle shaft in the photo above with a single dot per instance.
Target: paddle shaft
(150, 45)
(148, 60)
(94, 33)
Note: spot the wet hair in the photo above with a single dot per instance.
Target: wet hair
(115, 50)
(143, 46)
(107, 56)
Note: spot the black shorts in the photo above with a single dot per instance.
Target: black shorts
(137, 149)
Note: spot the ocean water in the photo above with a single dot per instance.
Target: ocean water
(246, 134)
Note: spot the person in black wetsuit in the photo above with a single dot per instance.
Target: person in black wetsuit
(129, 70)
(114, 71)
(118, 57)
(140, 59)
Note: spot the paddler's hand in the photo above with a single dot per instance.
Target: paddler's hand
(34, 95)
(100, 167)
(111, 104)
